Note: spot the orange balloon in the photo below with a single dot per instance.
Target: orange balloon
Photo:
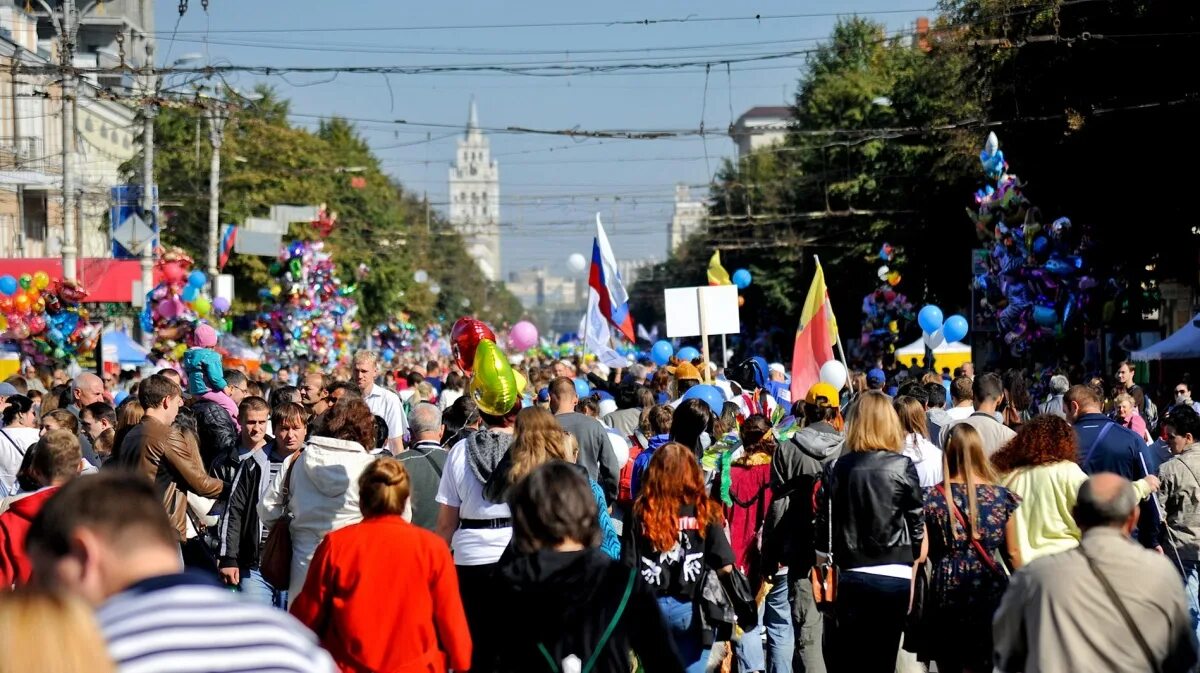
(741, 300)
(21, 302)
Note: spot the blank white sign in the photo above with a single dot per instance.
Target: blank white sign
(720, 310)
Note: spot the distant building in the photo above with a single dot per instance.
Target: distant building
(475, 198)
(537, 288)
(759, 127)
(631, 269)
(689, 217)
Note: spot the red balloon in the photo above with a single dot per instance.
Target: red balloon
(464, 339)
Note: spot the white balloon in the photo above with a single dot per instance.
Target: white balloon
(883, 272)
(576, 262)
(834, 373)
(420, 275)
(435, 288)
(934, 340)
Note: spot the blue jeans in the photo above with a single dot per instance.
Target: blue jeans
(679, 618)
(1191, 581)
(257, 590)
(774, 618)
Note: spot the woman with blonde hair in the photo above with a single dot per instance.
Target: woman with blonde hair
(922, 452)
(50, 633)
(1125, 413)
(969, 524)
(539, 439)
(382, 595)
(870, 507)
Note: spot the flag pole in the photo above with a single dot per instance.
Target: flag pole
(587, 313)
(837, 333)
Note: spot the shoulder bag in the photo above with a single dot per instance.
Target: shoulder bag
(275, 564)
(824, 576)
(995, 565)
(1153, 662)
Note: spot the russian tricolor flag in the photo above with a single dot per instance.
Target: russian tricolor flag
(606, 281)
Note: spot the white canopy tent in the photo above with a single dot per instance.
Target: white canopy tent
(946, 354)
(1182, 345)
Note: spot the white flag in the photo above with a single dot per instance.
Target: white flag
(595, 334)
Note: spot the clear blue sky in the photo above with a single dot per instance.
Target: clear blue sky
(550, 186)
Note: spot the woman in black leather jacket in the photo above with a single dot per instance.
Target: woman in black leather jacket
(869, 507)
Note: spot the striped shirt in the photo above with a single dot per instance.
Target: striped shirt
(186, 623)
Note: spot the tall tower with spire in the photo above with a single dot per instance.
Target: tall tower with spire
(475, 198)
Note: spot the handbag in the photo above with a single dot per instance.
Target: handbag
(917, 628)
(275, 564)
(997, 565)
(824, 576)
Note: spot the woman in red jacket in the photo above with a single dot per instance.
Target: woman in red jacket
(382, 594)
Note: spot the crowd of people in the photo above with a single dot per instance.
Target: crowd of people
(376, 519)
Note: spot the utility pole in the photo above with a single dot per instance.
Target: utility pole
(216, 114)
(149, 203)
(67, 27)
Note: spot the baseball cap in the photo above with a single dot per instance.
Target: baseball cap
(876, 376)
(777, 367)
(687, 371)
(822, 390)
(543, 395)
(7, 389)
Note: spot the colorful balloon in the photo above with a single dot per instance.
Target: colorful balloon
(202, 306)
(8, 285)
(465, 337)
(955, 328)
(711, 395)
(688, 353)
(742, 278)
(930, 319)
(493, 385)
(41, 280)
(834, 373)
(522, 336)
(661, 352)
(25, 281)
(220, 304)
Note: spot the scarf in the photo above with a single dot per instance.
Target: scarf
(485, 450)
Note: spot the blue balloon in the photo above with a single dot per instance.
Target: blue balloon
(741, 278)
(582, 389)
(930, 319)
(687, 354)
(1045, 316)
(713, 396)
(955, 328)
(1040, 244)
(8, 285)
(190, 293)
(388, 354)
(197, 279)
(661, 352)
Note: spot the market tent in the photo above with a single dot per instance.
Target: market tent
(118, 347)
(1182, 345)
(237, 353)
(946, 355)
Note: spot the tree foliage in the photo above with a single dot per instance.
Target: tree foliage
(266, 161)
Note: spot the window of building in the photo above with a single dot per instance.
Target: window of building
(35, 215)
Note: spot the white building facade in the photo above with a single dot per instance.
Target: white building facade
(475, 198)
(689, 217)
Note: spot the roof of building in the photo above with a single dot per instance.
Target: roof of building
(767, 112)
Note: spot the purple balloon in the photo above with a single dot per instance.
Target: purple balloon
(220, 304)
(523, 336)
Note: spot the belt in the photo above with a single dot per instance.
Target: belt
(485, 523)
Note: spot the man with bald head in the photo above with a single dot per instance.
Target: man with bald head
(86, 389)
(1107, 605)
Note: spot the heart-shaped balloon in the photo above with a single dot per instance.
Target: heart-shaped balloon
(465, 337)
(494, 384)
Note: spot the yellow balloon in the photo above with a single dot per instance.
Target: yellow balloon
(41, 280)
(521, 382)
(494, 385)
(180, 349)
(3, 323)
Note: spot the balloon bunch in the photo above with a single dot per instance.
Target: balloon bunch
(44, 317)
(886, 310)
(307, 313)
(399, 335)
(495, 386)
(935, 331)
(1036, 283)
(177, 302)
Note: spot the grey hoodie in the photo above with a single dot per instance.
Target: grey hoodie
(795, 469)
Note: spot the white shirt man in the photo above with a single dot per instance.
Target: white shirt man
(381, 401)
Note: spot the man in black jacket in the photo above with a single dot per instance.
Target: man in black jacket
(788, 532)
(241, 533)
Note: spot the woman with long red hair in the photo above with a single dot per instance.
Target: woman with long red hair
(676, 532)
